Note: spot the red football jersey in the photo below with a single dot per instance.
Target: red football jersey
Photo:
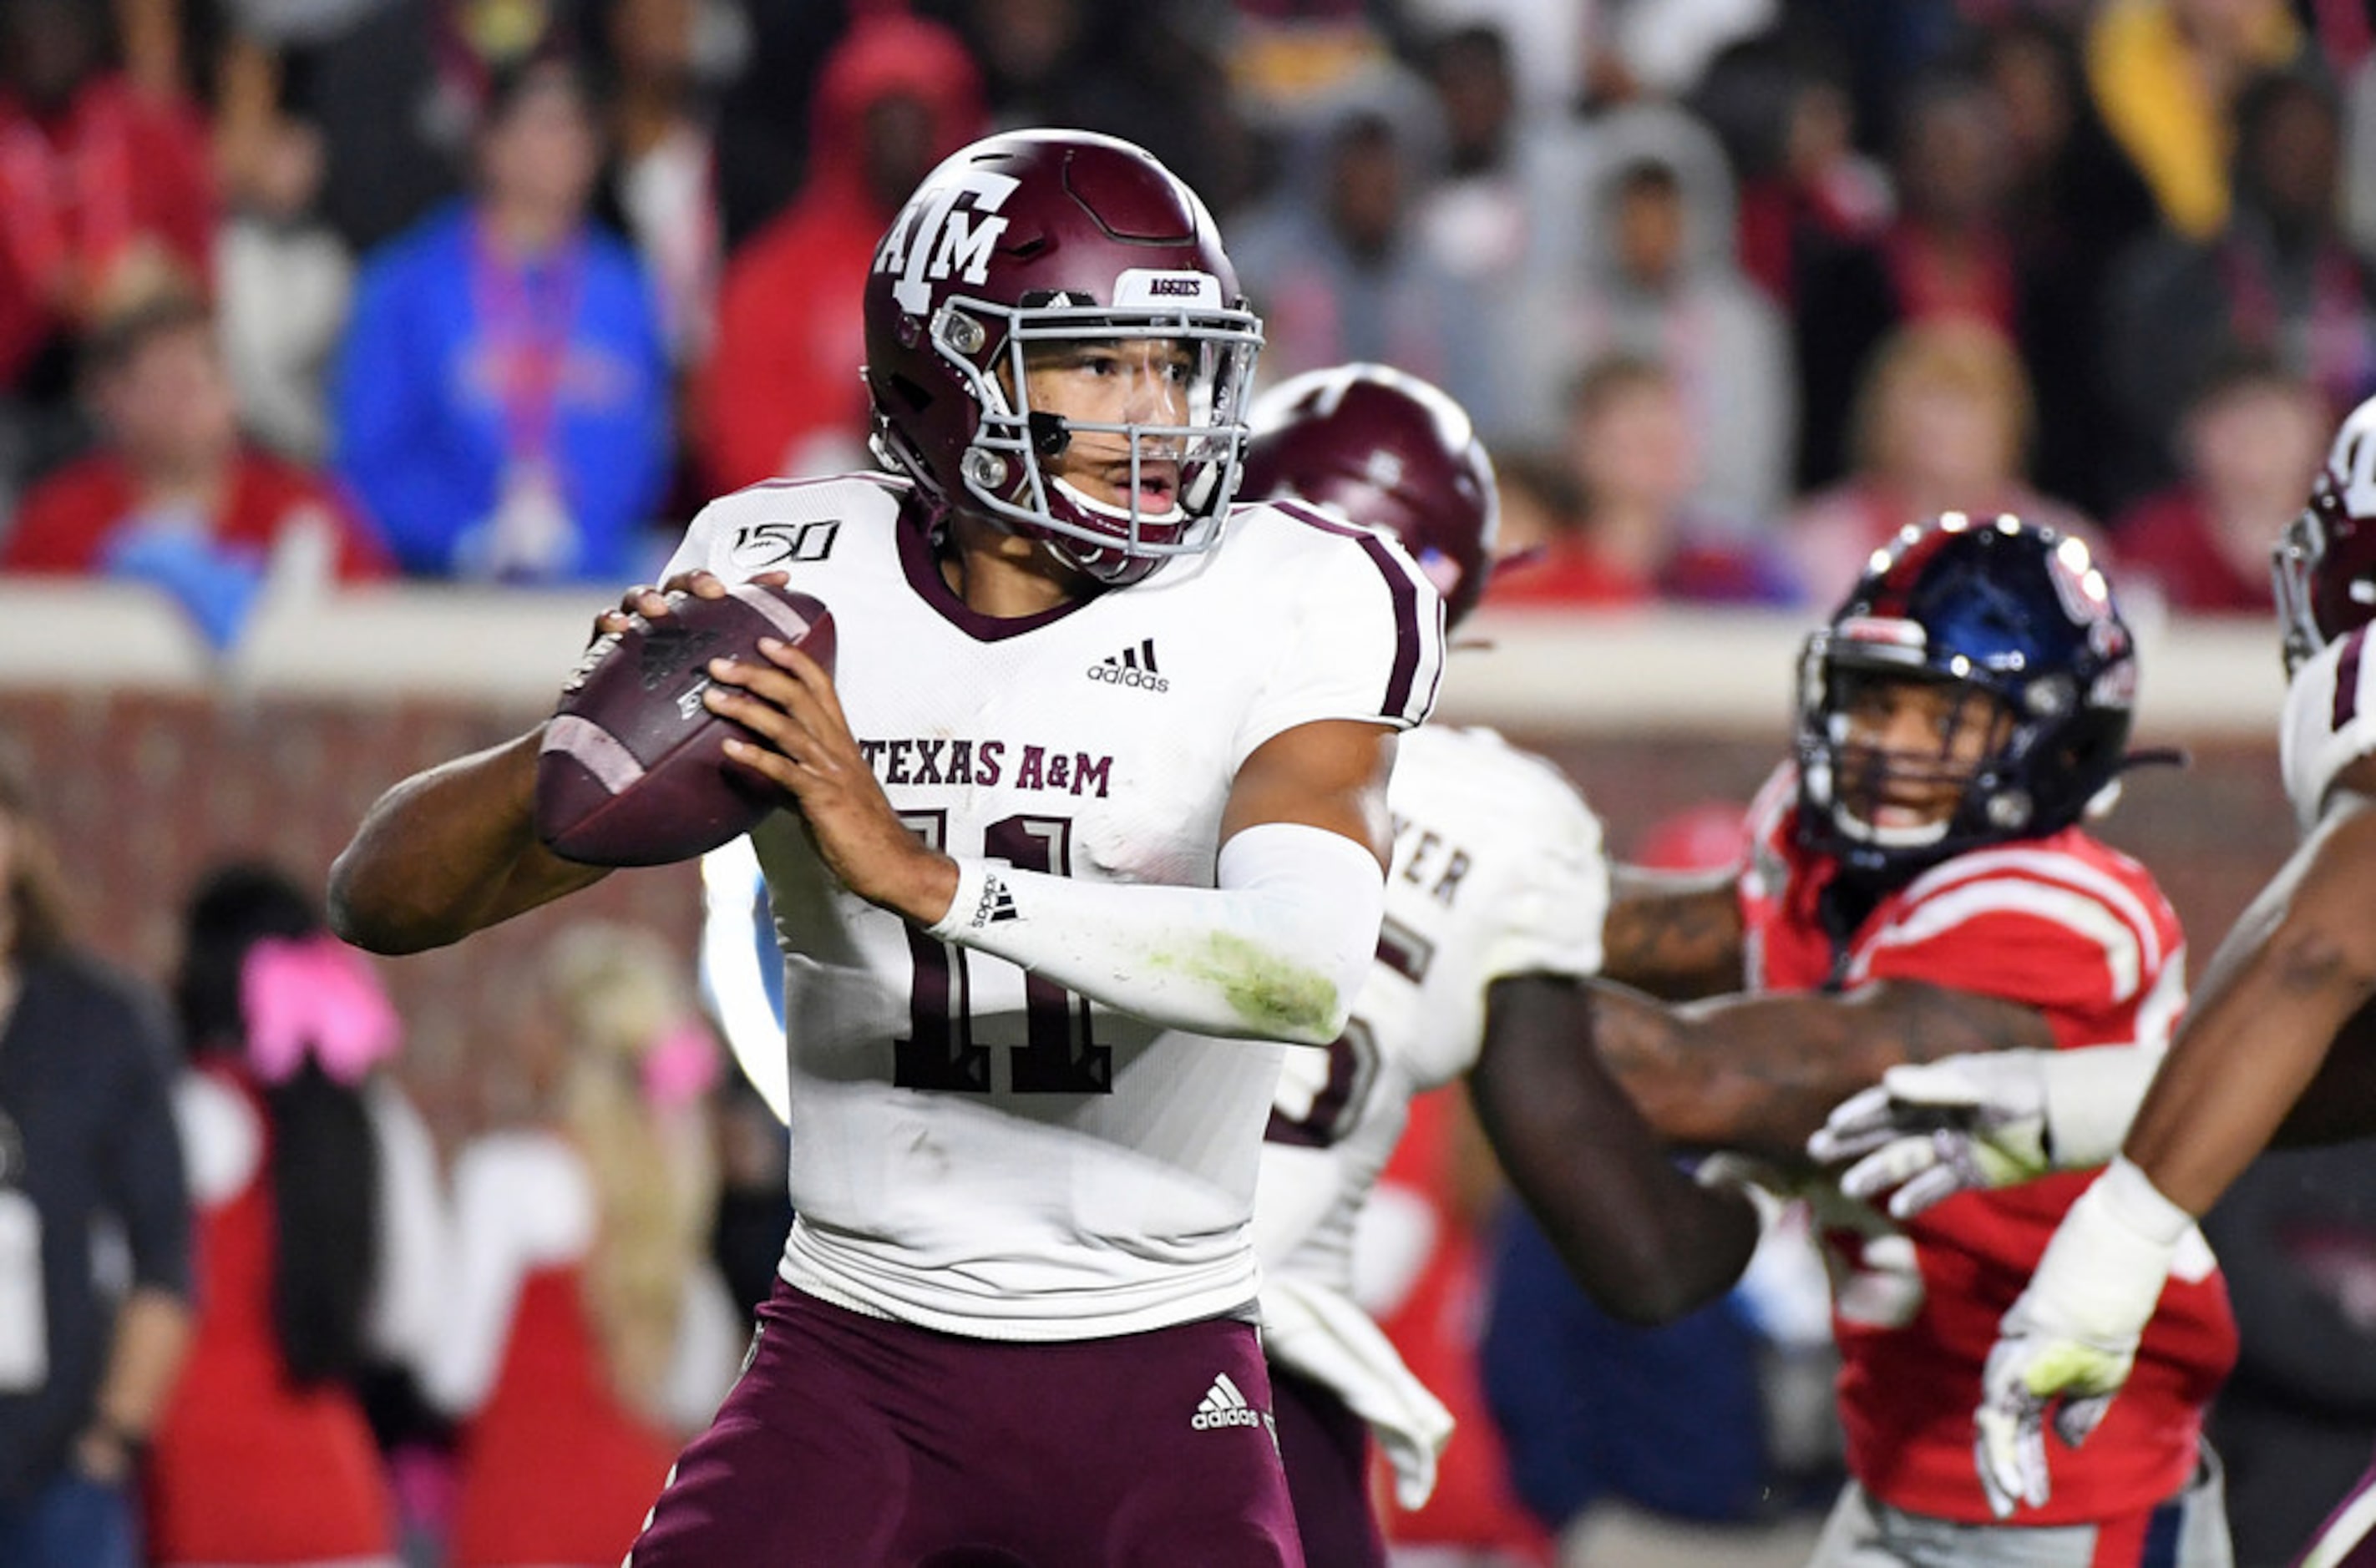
(2081, 932)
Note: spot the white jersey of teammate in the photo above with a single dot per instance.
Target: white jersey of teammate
(2329, 722)
(975, 1150)
(1497, 871)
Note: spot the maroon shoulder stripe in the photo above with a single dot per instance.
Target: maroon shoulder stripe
(1399, 588)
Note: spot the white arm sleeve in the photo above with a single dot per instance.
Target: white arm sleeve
(2092, 1094)
(1278, 951)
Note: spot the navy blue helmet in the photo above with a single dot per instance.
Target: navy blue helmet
(1997, 606)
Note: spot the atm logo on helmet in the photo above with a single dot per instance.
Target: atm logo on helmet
(936, 238)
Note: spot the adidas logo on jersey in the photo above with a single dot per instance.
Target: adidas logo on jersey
(1130, 667)
(1223, 1406)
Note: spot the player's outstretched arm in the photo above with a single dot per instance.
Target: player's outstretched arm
(1646, 1242)
(1759, 1074)
(1677, 936)
(449, 852)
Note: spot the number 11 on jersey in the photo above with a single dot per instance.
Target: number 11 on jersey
(940, 1052)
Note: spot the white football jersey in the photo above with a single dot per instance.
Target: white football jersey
(976, 1150)
(2329, 722)
(1497, 871)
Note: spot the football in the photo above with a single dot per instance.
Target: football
(633, 771)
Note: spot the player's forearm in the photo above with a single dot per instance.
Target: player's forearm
(1760, 1073)
(2297, 966)
(2234, 1080)
(447, 852)
(1645, 1241)
(1278, 951)
(1673, 937)
(1727, 1080)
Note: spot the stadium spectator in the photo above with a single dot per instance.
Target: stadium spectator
(2165, 76)
(1498, 211)
(503, 398)
(1334, 260)
(398, 89)
(87, 1144)
(2249, 446)
(106, 189)
(285, 280)
(1659, 282)
(1148, 74)
(584, 1336)
(1781, 105)
(2072, 204)
(1018, 1287)
(2279, 278)
(1967, 702)
(1945, 254)
(317, 1254)
(1636, 538)
(1942, 422)
(2359, 150)
(778, 397)
(662, 188)
(768, 110)
(176, 495)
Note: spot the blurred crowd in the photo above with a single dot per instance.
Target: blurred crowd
(503, 290)
(330, 291)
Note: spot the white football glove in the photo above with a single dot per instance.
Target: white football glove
(2066, 1346)
(1963, 1124)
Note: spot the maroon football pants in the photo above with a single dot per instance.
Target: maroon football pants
(854, 1442)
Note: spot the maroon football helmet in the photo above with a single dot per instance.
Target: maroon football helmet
(1026, 241)
(1388, 450)
(2325, 563)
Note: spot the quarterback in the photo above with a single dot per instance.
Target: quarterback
(1043, 922)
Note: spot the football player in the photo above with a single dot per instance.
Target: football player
(2279, 1046)
(1496, 887)
(1921, 883)
(1093, 813)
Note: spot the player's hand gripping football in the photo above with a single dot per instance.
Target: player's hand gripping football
(2067, 1345)
(1966, 1124)
(805, 747)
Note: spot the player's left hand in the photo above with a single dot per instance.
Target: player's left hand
(1935, 1129)
(790, 702)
